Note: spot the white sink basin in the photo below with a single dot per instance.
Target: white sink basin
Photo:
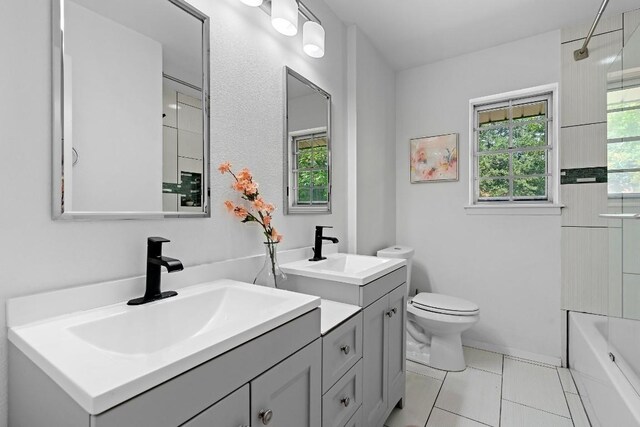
(104, 356)
(158, 326)
(347, 268)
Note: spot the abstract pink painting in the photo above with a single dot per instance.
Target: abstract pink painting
(434, 158)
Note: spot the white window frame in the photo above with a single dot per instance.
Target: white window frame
(293, 207)
(628, 138)
(553, 133)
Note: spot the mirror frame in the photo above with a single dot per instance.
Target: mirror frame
(57, 59)
(304, 210)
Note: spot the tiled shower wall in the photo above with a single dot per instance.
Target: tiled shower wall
(591, 245)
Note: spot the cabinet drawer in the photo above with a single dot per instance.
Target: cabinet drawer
(343, 399)
(232, 411)
(375, 290)
(356, 420)
(341, 349)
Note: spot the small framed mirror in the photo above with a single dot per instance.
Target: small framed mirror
(130, 109)
(307, 146)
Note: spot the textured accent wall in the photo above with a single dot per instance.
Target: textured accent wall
(247, 59)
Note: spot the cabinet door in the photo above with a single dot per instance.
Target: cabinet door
(375, 350)
(356, 420)
(397, 342)
(289, 394)
(232, 411)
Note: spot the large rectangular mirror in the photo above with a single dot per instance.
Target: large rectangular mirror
(307, 146)
(131, 109)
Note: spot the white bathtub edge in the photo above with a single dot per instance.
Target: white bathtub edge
(608, 396)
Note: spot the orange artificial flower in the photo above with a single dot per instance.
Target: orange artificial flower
(238, 186)
(229, 204)
(244, 175)
(240, 212)
(250, 187)
(224, 167)
(266, 220)
(259, 204)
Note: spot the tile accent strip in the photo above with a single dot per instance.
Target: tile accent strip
(583, 175)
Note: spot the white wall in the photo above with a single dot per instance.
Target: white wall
(38, 254)
(508, 265)
(371, 150)
(115, 101)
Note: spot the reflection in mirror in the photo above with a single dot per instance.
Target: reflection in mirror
(130, 109)
(307, 146)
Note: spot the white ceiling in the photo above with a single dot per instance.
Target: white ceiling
(415, 32)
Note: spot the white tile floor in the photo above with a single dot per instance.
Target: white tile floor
(494, 390)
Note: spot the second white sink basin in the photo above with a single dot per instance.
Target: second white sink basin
(347, 268)
(104, 356)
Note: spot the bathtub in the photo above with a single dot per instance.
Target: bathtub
(608, 396)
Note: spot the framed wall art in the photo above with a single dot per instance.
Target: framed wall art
(434, 158)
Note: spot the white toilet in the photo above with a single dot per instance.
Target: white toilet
(435, 322)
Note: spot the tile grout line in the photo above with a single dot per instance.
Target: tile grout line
(462, 416)
(481, 370)
(427, 375)
(584, 409)
(436, 400)
(542, 410)
(501, 387)
(533, 362)
(564, 394)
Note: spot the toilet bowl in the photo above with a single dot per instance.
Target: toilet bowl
(435, 322)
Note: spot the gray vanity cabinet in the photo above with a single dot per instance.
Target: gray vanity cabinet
(232, 411)
(397, 345)
(383, 337)
(289, 394)
(383, 356)
(375, 356)
(279, 371)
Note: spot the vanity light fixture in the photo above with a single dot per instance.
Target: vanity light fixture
(313, 39)
(284, 18)
(252, 3)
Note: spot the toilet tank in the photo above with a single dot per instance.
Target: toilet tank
(399, 252)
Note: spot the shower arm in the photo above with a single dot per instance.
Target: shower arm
(583, 52)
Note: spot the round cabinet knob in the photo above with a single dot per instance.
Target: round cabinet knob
(345, 401)
(265, 416)
(395, 310)
(345, 349)
(390, 313)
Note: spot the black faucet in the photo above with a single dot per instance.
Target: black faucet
(317, 247)
(155, 261)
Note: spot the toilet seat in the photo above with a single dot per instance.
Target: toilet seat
(444, 304)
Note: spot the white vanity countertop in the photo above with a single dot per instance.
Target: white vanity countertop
(104, 356)
(333, 313)
(346, 268)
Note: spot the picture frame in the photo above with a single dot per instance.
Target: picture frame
(434, 158)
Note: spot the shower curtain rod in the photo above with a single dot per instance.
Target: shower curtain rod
(583, 52)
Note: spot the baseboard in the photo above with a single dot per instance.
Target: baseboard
(508, 351)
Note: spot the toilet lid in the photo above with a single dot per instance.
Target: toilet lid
(445, 304)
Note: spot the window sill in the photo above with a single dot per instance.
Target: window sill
(524, 209)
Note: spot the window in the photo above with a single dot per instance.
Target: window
(309, 177)
(514, 160)
(623, 136)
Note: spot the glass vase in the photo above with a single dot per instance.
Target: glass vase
(270, 274)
